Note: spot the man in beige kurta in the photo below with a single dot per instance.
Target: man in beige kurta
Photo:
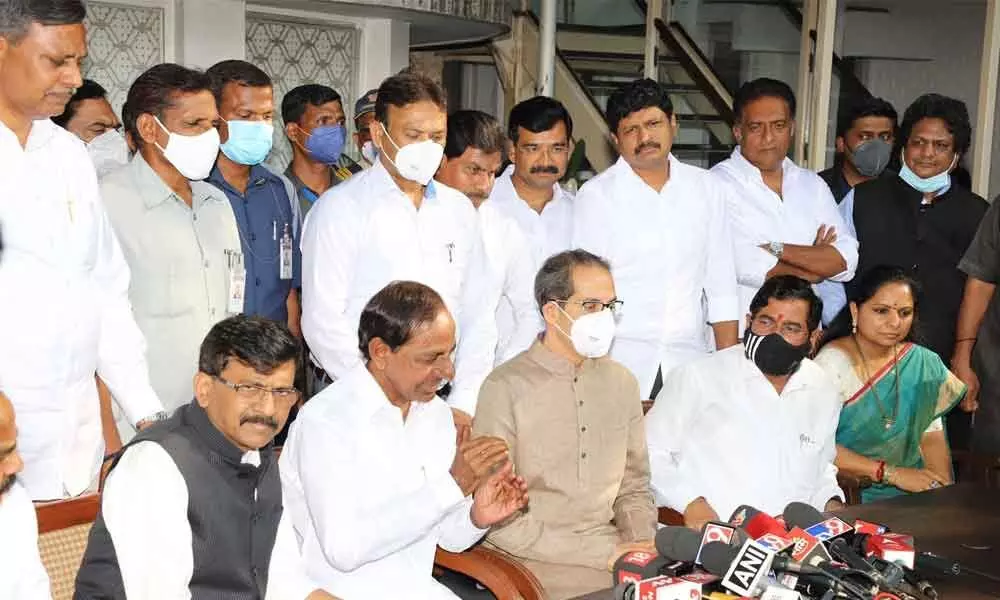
(573, 424)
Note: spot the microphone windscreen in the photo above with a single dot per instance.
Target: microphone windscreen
(717, 557)
(678, 543)
(800, 514)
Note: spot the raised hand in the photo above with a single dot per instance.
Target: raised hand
(498, 497)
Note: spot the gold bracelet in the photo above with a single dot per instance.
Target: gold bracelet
(889, 472)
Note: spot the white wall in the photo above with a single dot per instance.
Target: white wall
(209, 31)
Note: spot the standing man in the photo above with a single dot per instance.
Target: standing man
(540, 133)
(866, 133)
(572, 419)
(364, 115)
(192, 508)
(89, 116)
(267, 225)
(921, 221)
(662, 225)
(472, 156)
(178, 233)
(24, 574)
(391, 222)
(61, 262)
(978, 334)
(783, 218)
(314, 120)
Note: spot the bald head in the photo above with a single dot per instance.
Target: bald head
(10, 459)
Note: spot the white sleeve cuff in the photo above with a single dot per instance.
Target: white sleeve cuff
(723, 308)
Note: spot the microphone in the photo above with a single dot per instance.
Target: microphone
(663, 587)
(755, 522)
(800, 514)
(715, 531)
(891, 547)
(636, 566)
(678, 543)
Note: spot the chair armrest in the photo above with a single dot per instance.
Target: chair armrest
(506, 578)
(61, 514)
(852, 486)
(669, 516)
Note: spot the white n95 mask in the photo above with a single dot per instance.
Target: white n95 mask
(192, 155)
(417, 162)
(591, 333)
(108, 151)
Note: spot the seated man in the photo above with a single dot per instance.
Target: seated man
(573, 420)
(24, 576)
(371, 471)
(192, 507)
(753, 424)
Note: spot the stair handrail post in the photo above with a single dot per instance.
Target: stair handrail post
(547, 48)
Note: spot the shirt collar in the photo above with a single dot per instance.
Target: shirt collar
(154, 190)
(506, 183)
(753, 373)
(381, 182)
(259, 175)
(555, 363)
(633, 178)
(743, 167)
(216, 441)
(42, 131)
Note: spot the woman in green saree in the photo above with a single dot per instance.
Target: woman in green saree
(895, 392)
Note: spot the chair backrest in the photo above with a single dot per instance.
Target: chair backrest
(63, 528)
(504, 577)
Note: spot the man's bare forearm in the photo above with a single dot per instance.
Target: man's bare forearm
(825, 261)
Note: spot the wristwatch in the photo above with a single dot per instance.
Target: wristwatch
(153, 418)
(776, 248)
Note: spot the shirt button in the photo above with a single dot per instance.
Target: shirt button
(584, 455)
(583, 429)
(581, 402)
(206, 264)
(257, 281)
(253, 237)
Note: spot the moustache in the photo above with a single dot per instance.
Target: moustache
(7, 484)
(549, 169)
(643, 146)
(260, 420)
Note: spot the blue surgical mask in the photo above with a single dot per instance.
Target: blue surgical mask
(326, 143)
(929, 184)
(249, 142)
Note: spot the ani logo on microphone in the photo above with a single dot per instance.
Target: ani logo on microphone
(750, 567)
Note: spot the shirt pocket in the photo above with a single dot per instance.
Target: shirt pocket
(159, 292)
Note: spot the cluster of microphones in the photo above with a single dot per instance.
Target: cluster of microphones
(801, 554)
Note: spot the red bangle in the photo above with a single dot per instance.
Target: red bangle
(880, 471)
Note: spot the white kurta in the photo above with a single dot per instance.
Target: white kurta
(365, 233)
(64, 311)
(370, 495)
(24, 576)
(671, 256)
(720, 430)
(759, 216)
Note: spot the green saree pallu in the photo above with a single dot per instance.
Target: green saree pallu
(872, 425)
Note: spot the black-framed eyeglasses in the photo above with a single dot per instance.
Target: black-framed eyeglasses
(251, 392)
(592, 306)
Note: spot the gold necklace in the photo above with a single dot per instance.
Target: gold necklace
(887, 420)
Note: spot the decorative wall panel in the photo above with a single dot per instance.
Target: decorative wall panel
(122, 42)
(294, 53)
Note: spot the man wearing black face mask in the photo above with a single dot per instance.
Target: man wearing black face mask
(866, 132)
(753, 424)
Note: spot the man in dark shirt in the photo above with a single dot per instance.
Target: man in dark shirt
(865, 134)
(978, 333)
(921, 221)
(267, 226)
(315, 125)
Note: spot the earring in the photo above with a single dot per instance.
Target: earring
(854, 327)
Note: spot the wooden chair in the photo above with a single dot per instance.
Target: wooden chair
(502, 576)
(63, 528)
(852, 487)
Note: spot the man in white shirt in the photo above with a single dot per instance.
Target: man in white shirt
(192, 507)
(392, 222)
(540, 134)
(472, 156)
(662, 224)
(783, 218)
(179, 235)
(64, 304)
(24, 575)
(753, 424)
(373, 474)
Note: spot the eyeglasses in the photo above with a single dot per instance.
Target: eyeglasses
(251, 392)
(592, 306)
(937, 146)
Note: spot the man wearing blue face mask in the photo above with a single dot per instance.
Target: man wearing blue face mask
(751, 424)
(260, 199)
(316, 129)
(920, 221)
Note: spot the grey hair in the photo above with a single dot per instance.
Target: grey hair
(16, 16)
(554, 280)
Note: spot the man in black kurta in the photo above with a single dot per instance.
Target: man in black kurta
(921, 221)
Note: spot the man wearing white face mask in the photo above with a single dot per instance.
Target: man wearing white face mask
(89, 116)
(392, 222)
(178, 233)
(922, 221)
(572, 418)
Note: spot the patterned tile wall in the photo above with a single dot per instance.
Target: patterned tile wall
(294, 53)
(123, 41)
